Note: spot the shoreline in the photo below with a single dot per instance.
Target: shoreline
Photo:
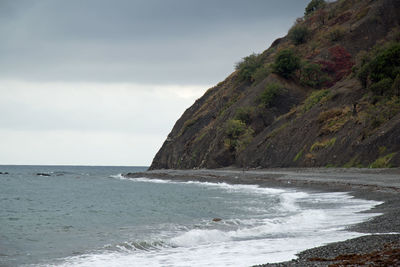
(380, 245)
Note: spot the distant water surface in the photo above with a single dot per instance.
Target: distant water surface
(93, 216)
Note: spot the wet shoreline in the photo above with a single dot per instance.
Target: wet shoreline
(382, 241)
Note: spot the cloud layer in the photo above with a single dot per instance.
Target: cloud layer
(87, 123)
(102, 82)
(141, 41)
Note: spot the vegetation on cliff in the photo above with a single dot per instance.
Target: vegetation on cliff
(327, 94)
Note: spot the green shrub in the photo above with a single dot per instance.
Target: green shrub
(383, 162)
(286, 63)
(248, 66)
(336, 34)
(383, 65)
(323, 144)
(383, 111)
(272, 90)
(396, 85)
(312, 75)
(235, 128)
(244, 140)
(314, 5)
(314, 99)
(238, 135)
(298, 34)
(245, 114)
(362, 74)
(381, 87)
(386, 64)
(298, 155)
(260, 74)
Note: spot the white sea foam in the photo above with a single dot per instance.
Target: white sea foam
(245, 242)
(243, 253)
(254, 189)
(288, 200)
(118, 176)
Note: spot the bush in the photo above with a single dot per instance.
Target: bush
(340, 65)
(383, 111)
(248, 66)
(235, 128)
(314, 5)
(238, 135)
(286, 63)
(298, 155)
(363, 73)
(333, 120)
(329, 115)
(383, 67)
(396, 85)
(322, 17)
(386, 64)
(299, 34)
(381, 87)
(314, 99)
(382, 162)
(260, 74)
(272, 90)
(245, 114)
(312, 75)
(244, 140)
(336, 34)
(323, 144)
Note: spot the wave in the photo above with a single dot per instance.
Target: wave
(258, 242)
(230, 187)
(299, 223)
(137, 246)
(305, 223)
(118, 176)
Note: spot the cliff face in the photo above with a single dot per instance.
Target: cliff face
(327, 94)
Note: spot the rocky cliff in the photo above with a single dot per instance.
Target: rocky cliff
(327, 94)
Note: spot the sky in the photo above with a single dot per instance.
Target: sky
(102, 82)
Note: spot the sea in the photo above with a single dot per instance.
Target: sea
(94, 216)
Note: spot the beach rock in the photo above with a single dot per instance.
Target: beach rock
(42, 174)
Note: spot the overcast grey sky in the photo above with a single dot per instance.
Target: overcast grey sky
(95, 82)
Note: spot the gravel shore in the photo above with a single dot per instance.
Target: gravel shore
(381, 245)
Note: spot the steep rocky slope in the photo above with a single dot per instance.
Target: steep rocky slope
(327, 94)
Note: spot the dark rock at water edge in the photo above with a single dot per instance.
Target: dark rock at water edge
(42, 174)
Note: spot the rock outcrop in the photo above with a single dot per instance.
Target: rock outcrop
(336, 104)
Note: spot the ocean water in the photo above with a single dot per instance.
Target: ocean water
(93, 216)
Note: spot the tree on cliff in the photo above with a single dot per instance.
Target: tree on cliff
(314, 5)
(286, 63)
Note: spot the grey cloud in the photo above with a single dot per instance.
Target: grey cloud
(175, 41)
